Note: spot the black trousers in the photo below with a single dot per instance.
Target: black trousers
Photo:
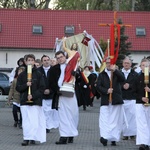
(15, 112)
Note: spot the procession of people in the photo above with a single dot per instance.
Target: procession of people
(49, 96)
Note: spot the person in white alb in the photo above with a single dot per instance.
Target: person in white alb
(33, 119)
(142, 89)
(67, 106)
(51, 115)
(111, 110)
(129, 99)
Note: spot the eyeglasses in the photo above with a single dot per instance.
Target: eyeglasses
(59, 57)
(107, 62)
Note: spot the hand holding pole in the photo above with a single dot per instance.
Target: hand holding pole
(29, 79)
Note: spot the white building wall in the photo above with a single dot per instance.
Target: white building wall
(138, 56)
(9, 58)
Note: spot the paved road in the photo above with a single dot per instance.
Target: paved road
(88, 139)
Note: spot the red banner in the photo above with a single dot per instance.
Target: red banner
(114, 50)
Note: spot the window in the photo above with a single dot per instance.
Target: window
(69, 30)
(37, 29)
(3, 77)
(140, 31)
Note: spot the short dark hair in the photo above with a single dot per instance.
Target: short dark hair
(44, 56)
(59, 52)
(29, 56)
(20, 60)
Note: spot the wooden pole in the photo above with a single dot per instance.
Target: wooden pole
(111, 83)
(112, 49)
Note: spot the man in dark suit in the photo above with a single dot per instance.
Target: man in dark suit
(51, 115)
(129, 99)
(142, 89)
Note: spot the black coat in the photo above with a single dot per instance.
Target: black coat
(82, 90)
(129, 94)
(93, 81)
(54, 74)
(47, 83)
(103, 84)
(139, 88)
(37, 87)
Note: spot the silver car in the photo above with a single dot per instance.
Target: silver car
(4, 84)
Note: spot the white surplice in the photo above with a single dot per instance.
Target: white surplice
(69, 116)
(129, 108)
(51, 115)
(111, 120)
(143, 124)
(33, 123)
(68, 111)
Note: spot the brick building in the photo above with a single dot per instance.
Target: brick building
(35, 31)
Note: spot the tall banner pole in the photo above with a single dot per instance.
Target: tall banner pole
(114, 50)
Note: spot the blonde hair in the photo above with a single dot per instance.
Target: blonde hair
(145, 60)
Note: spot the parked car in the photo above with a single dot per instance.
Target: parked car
(4, 84)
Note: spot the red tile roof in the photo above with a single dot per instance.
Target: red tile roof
(17, 24)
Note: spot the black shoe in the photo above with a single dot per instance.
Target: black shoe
(32, 142)
(125, 138)
(91, 104)
(20, 126)
(62, 140)
(142, 147)
(113, 143)
(15, 124)
(47, 130)
(132, 137)
(84, 107)
(70, 139)
(103, 141)
(146, 147)
(25, 143)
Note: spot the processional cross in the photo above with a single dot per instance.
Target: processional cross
(112, 48)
